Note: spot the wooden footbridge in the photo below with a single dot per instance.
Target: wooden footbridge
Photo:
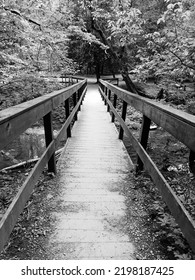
(94, 165)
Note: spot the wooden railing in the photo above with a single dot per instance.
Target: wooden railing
(179, 124)
(69, 79)
(15, 120)
(114, 81)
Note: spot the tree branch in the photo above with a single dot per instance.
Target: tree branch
(177, 56)
(15, 12)
(181, 60)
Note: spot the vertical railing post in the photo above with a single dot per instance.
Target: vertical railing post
(67, 111)
(82, 89)
(79, 92)
(47, 121)
(124, 111)
(75, 103)
(192, 161)
(114, 104)
(144, 134)
(109, 96)
(105, 92)
(102, 88)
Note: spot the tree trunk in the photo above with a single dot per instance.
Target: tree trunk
(97, 71)
(129, 83)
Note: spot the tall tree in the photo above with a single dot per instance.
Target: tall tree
(114, 26)
(170, 47)
(33, 37)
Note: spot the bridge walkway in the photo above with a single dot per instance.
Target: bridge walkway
(90, 212)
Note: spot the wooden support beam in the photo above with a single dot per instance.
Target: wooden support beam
(14, 121)
(79, 92)
(178, 210)
(144, 134)
(75, 103)
(102, 90)
(109, 96)
(47, 120)
(67, 111)
(9, 219)
(192, 162)
(114, 105)
(178, 123)
(124, 112)
(105, 91)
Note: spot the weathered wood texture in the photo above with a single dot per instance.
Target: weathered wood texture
(179, 212)
(15, 120)
(68, 79)
(19, 113)
(67, 111)
(179, 124)
(93, 170)
(124, 112)
(114, 81)
(47, 120)
(145, 129)
(114, 104)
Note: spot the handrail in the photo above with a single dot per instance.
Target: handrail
(179, 124)
(163, 115)
(69, 79)
(15, 120)
(111, 80)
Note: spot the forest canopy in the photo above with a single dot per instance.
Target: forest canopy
(153, 38)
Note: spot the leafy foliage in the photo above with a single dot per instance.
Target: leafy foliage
(34, 38)
(170, 49)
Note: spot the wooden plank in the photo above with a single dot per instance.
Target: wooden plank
(111, 80)
(79, 93)
(67, 111)
(100, 91)
(177, 209)
(47, 120)
(124, 112)
(67, 123)
(16, 207)
(105, 91)
(192, 162)
(89, 168)
(109, 96)
(15, 120)
(9, 219)
(144, 133)
(75, 103)
(114, 105)
(58, 98)
(179, 124)
(14, 111)
(16, 125)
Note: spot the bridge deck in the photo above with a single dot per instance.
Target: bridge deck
(92, 171)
